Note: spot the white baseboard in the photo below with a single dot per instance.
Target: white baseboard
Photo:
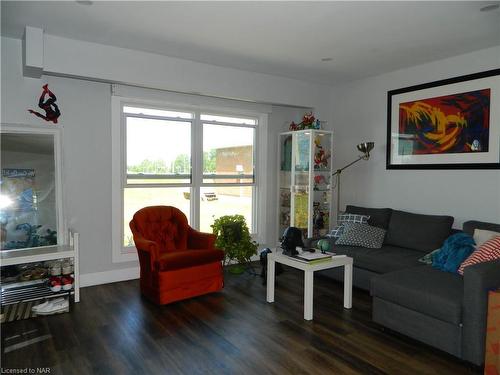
(112, 276)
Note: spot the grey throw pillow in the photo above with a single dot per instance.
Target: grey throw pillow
(362, 235)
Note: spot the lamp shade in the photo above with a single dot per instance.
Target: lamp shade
(366, 147)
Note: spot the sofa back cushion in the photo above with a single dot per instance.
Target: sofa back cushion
(418, 232)
(165, 225)
(470, 226)
(379, 217)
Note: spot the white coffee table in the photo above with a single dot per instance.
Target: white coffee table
(309, 269)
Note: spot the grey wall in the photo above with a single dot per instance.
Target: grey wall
(359, 114)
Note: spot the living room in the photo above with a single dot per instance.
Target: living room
(255, 68)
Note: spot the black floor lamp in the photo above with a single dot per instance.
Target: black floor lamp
(365, 148)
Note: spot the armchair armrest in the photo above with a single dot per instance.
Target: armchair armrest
(148, 246)
(478, 279)
(200, 240)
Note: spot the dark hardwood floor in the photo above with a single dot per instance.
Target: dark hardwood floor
(115, 331)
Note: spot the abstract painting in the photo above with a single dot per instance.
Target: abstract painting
(449, 124)
(446, 124)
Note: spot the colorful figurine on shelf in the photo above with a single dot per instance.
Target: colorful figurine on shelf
(319, 221)
(321, 159)
(321, 156)
(317, 141)
(319, 182)
(308, 122)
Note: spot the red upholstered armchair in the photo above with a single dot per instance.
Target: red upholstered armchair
(177, 262)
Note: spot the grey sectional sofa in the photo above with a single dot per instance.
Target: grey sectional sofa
(442, 309)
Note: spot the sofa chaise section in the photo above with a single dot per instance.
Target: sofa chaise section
(442, 309)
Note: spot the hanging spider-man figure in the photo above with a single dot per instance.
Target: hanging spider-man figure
(49, 106)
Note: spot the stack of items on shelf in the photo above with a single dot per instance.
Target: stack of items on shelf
(61, 276)
(310, 256)
(24, 286)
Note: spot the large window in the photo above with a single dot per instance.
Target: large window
(203, 163)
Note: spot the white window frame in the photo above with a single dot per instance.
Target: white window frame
(119, 173)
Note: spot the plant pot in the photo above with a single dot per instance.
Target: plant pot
(237, 269)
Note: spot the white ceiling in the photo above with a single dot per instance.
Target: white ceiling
(281, 38)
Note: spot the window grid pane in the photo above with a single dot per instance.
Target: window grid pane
(225, 200)
(228, 153)
(136, 198)
(154, 155)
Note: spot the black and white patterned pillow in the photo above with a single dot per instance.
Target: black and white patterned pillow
(347, 218)
(336, 232)
(352, 218)
(363, 235)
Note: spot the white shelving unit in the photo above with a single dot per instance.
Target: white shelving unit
(304, 181)
(24, 291)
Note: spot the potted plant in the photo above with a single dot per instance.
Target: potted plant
(234, 238)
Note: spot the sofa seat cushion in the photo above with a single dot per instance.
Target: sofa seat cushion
(188, 258)
(383, 260)
(419, 232)
(423, 289)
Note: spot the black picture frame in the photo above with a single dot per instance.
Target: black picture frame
(493, 78)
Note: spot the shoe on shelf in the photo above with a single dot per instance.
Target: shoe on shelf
(67, 282)
(66, 268)
(55, 284)
(46, 303)
(54, 307)
(55, 269)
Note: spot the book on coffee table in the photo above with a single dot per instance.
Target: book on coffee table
(313, 256)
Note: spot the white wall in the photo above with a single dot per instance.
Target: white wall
(359, 113)
(86, 124)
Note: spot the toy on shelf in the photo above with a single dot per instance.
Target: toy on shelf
(308, 122)
(320, 183)
(321, 156)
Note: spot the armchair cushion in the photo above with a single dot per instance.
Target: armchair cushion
(167, 226)
(188, 258)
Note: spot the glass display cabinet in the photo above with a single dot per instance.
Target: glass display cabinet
(305, 191)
